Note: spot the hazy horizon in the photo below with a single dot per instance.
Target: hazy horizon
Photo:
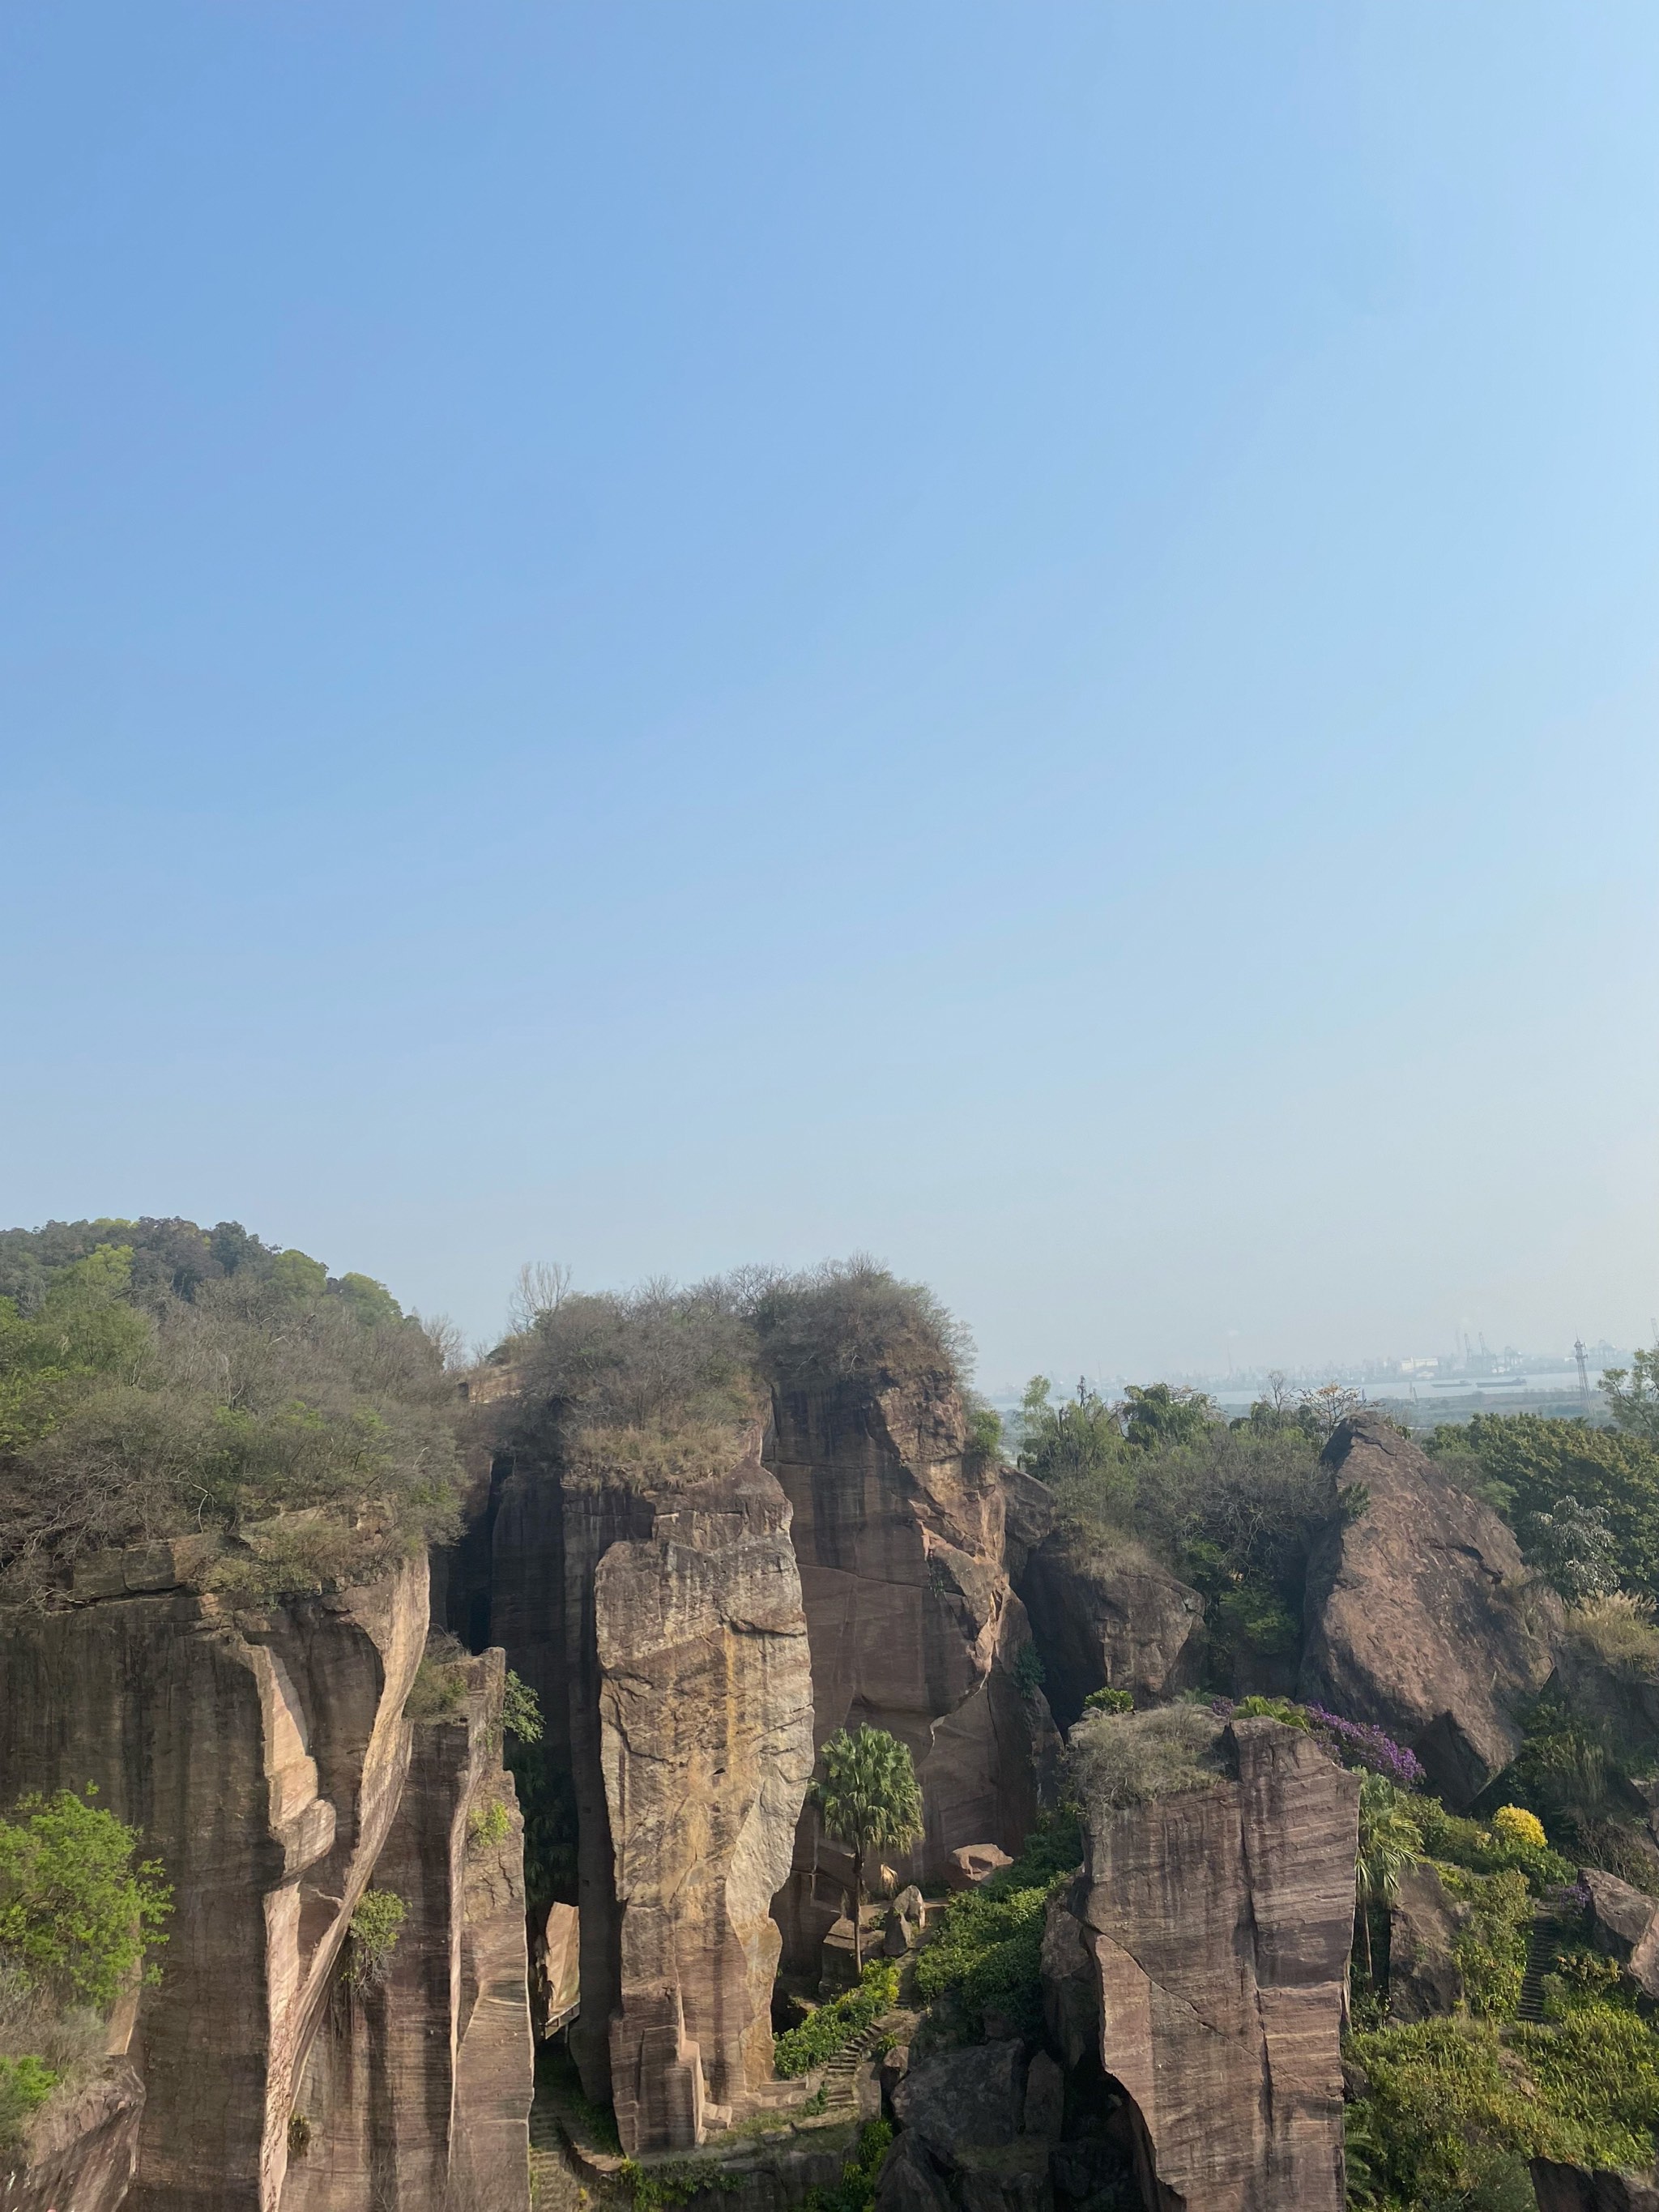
(1018, 639)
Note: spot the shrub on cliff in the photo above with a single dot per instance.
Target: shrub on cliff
(1527, 1464)
(832, 2026)
(129, 1412)
(1134, 1759)
(854, 1318)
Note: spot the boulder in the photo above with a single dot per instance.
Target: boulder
(1045, 2097)
(1114, 1621)
(895, 2065)
(1571, 2189)
(972, 1864)
(1216, 1924)
(1421, 1615)
(1624, 1924)
(961, 2115)
(974, 2096)
(1423, 1976)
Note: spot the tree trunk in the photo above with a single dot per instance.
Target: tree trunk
(858, 1918)
(1364, 1919)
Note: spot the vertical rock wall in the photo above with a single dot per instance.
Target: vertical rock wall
(657, 1615)
(913, 1625)
(416, 2091)
(1203, 1953)
(263, 1759)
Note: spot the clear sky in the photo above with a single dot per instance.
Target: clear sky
(1018, 636)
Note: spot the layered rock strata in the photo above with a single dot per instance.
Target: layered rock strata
(902, 1536)
(1200, 1964)
(416, 2092)
(655, 1603)
(263, 1751)
(81, 2153)
(1421, 1614)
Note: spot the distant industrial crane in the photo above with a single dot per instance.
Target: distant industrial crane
(1579, 1354)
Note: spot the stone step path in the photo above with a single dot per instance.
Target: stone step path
(1543, 1940)
(840, 2082)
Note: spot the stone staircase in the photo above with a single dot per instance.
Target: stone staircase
(840, 2082)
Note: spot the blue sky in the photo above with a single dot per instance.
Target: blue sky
(1019, 637)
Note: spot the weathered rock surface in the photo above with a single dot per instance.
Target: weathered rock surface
(658, 1616)
(1207, 1960)
(901, 1535)
(81, 2150)
(263, 1759)
(1569, 2189)
(961, 2115)
(707, 1750)
(1108, 1621)
(1624, 1924)
(1421, 1615)
(1423, 1976)
(416, 2092)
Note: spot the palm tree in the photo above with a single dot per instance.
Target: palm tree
(1390, 1842)
(868, 1796)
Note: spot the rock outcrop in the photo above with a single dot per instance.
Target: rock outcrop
(1623, 1924)
(901, 1535)
(416, 2091)
(263, 1751)
(1109, 1621)
(81, 2151)
(1421, 1615)
(1571, 2189)
(1423, 1976)
(656, 1605)
(1200, 1964)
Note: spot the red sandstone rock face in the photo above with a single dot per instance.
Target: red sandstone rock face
(81, 2154)
(1421, 1615)
(416, 2095)
(1205, 1952)
(913, 1625)
(266, 1760)
(661, 1622)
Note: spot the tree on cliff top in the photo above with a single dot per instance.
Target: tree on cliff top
(132, 1410)
(854, 1318)
(869, 1798)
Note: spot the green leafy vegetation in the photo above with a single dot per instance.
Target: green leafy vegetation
(1455, 2107)
(1232, 1508)
(830, 2027)
(985, 1958)
(159, 1380)
(1491, 1946)
(79, 1916)
(1527, 1465)
(1452, 1839)
(856, 2190)
(489, 1824)
(26, 2082)
(521, 1710)
(868, 1798)
(376, 1926)
(1389, 1843)
(1109, 1701)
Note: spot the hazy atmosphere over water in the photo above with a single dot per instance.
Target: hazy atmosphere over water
(1021, 638)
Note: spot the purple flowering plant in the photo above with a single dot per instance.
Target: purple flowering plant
(1360, 1743)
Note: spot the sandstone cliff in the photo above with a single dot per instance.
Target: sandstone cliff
(900, 1534)
(416, 2091)
(654, 1602)
(263, 1756)
(1201, 1963)
(1421, 1615)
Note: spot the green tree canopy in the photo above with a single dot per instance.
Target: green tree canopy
(77, 1914)
(869, 1799)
